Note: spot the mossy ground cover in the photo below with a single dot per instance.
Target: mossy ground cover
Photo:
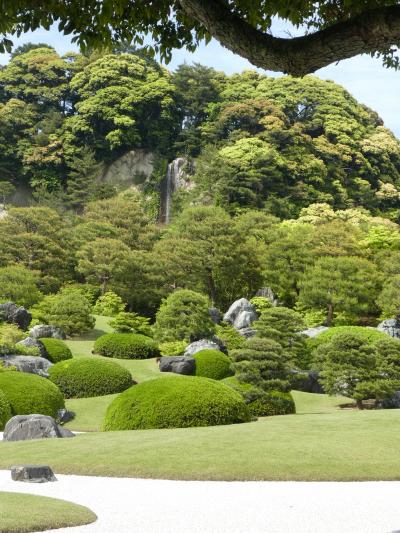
(20, 513)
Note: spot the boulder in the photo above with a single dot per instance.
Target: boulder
(64, 416)
(28, 363)
(241, 314)
(203, 344)
(43, 331)
(247, 332)
(29, 427)
(313, 332)
(390, 326)
(32, 473)
(15, 314)
(178, 365)
(30, 342)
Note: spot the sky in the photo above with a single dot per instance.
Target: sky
(364, 77)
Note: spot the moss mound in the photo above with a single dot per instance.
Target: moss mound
(175, 402)
(56, 350)
(30, 394)
(5, 410)
(368, 334)
(212, 364)
(126, 346)
(88, 376)
(262, 403)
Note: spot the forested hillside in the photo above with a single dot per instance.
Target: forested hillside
(292, 184)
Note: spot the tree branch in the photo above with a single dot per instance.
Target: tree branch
(372, 31)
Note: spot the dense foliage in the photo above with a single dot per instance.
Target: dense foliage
(126, 346)
(28, 393)
(85, 377)
(175, 402)
(56, 350)
(212, 364)
(5, 410)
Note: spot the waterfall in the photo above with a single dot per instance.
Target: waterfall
(170, 184)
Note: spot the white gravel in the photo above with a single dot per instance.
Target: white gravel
(126, 505)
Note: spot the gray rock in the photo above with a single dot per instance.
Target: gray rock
(203, 344)
(43, 331)
(30, 342)
(29, 427)
(390, 326)
(15, 314)
(247, 332)
(28, 363)
(64, 416)
(241, 314)
(267, 292)
(32, 473)
(313, 332)
(215, 315)
(178, 365)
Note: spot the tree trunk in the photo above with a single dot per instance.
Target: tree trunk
(329, 317)
(371, 31)
(360, 404)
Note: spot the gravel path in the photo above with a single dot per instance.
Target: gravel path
(126, 505)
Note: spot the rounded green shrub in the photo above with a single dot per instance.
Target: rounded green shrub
(175, 402)
(5, 410)
(212, 364)
(262, 403)
(31, 394)
(56, 350)
(126, 346)
(364, 333)
(85, 377)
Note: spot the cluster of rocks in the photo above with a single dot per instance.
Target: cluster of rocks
(15, 314)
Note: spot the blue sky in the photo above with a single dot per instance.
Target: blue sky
(364, 77)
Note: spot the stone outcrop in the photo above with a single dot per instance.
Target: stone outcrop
(241, 314)
(32, 473)
(203, 344)
(30, 342)
(15, 314)
(390, 326)
(43, 331)
(178, 365)
(29, 427)
(28, 363)
(131, 169)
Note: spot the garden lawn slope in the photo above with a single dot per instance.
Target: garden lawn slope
(318, 447)
(20, 513)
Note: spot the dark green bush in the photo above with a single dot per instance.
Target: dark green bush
(176, 402)
(212, 364)
(262, 403)
(5, 410)
(56, 350)
(364, 333)
(89, 376)
(126, 346)
(31, 394)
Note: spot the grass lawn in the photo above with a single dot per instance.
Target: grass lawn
(89, 412)
(335, 445)
(20, 513)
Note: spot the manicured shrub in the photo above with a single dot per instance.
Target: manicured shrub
(212, 364)
(85, 377)
(184, 315)
(173, 347)
(5, 410)
(56, 350)
(131, 323)
(367, 334)
(126, 346)
(175, 402)
(31, 394)
(262, 403)
(69, 310)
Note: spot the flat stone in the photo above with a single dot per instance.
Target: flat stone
(198, 346)
(32, 473)
(29, 427)
(31, 364)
